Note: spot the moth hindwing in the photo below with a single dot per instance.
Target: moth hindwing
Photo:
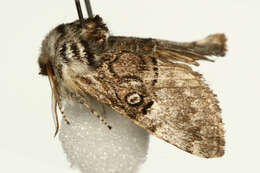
(148, 81)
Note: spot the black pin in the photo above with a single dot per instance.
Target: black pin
(89, 10)
(81, 19)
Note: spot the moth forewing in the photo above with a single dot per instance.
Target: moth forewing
(142, 79)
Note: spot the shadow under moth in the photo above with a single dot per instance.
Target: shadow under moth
(147, 80)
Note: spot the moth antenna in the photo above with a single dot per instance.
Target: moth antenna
(98, 116)
(89, 9)
(81, 19)
(54, 100)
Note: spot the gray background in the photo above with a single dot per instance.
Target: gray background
(26, 127)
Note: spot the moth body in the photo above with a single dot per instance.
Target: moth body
(148, 81)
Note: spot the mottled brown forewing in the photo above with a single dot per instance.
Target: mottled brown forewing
(169, 100)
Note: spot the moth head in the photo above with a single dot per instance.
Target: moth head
(92, 31)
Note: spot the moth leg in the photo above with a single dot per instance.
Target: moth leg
(66, 119)
(64, 116)
(97, 115)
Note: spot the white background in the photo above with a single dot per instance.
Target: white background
(26, 128)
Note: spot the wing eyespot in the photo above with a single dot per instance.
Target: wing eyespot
(134, 99)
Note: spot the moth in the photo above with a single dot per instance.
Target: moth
(147, 80)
